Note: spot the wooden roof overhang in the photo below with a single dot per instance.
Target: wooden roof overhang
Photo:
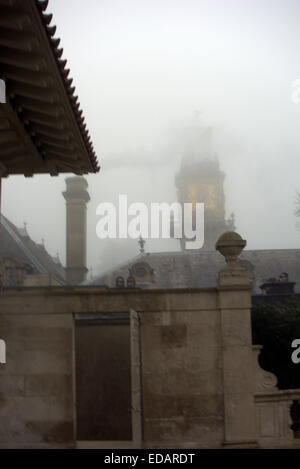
(42, 129)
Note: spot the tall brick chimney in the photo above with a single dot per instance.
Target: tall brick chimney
(77, 197)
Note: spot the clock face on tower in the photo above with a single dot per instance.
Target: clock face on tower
(203, 193)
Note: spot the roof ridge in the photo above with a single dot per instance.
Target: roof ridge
(30, 253)
(193, 256)
(118, 266)
(7, 225)
(193, 252)
(58, 268)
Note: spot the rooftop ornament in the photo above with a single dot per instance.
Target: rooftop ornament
(230, 245)
(141, 243)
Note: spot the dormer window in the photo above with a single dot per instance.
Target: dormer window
(142, 272)
(120, 282)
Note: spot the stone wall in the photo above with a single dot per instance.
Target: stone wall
(273, 409)
(37, 384)
(36, 388)
(182, 379)
(193, 378)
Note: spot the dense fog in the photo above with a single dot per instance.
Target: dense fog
(146, 70)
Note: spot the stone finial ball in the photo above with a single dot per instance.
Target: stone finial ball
(230, 245)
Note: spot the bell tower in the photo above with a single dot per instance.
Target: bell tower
(200, 180)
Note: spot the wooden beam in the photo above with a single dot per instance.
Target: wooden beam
(21, 134)
(16, 159)
(47, 95)
(10, 148)
(65, 147)
(7, 136)
(52, 167)
(68, 153)
(31, 104)
(39, 110)
(11, 3)
(40, 79)
(3, 170)
(22, 59)
(49, 131)
(20, 40)
(24, 164)
(63, 165)
(37, 117)
(60, 155)
(14, 18)
(4, 123)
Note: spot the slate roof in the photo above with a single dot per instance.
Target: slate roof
(199, 269)
(15, 243)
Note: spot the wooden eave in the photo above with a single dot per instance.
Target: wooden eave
(42, 129)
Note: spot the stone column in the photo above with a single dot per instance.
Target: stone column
(238, 377)
(76, 197)
(2, 351)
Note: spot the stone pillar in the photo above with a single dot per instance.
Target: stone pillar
(76, 196)
(238, 377)
(2, 351)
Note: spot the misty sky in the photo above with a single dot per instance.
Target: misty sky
(142, 68)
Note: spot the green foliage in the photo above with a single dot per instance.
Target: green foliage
(275, 326)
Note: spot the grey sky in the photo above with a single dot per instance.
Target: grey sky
(141, 69)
